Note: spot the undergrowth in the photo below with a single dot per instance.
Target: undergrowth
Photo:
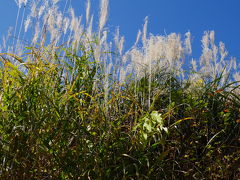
(55, 124)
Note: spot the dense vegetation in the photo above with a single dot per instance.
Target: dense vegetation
(65, 115)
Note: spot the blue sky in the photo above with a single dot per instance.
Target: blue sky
(165, 16)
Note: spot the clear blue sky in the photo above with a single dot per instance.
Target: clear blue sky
(168, 16)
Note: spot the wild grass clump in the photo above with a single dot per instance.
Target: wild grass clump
(66, 112)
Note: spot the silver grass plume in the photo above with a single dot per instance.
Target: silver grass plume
(103, 14)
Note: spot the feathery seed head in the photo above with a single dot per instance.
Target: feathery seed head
(34, 12)
(223, 52)
(27, 23)
(36, 35)
(66, 23)
(144, 36)
(194, 64)
(103, 14)
(138, 38)
(89, 28)
(41, 10)
(119, 41)
(188, 43)
(20, 2)
(88, 7)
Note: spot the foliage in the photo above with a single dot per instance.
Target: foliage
(55, 124)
